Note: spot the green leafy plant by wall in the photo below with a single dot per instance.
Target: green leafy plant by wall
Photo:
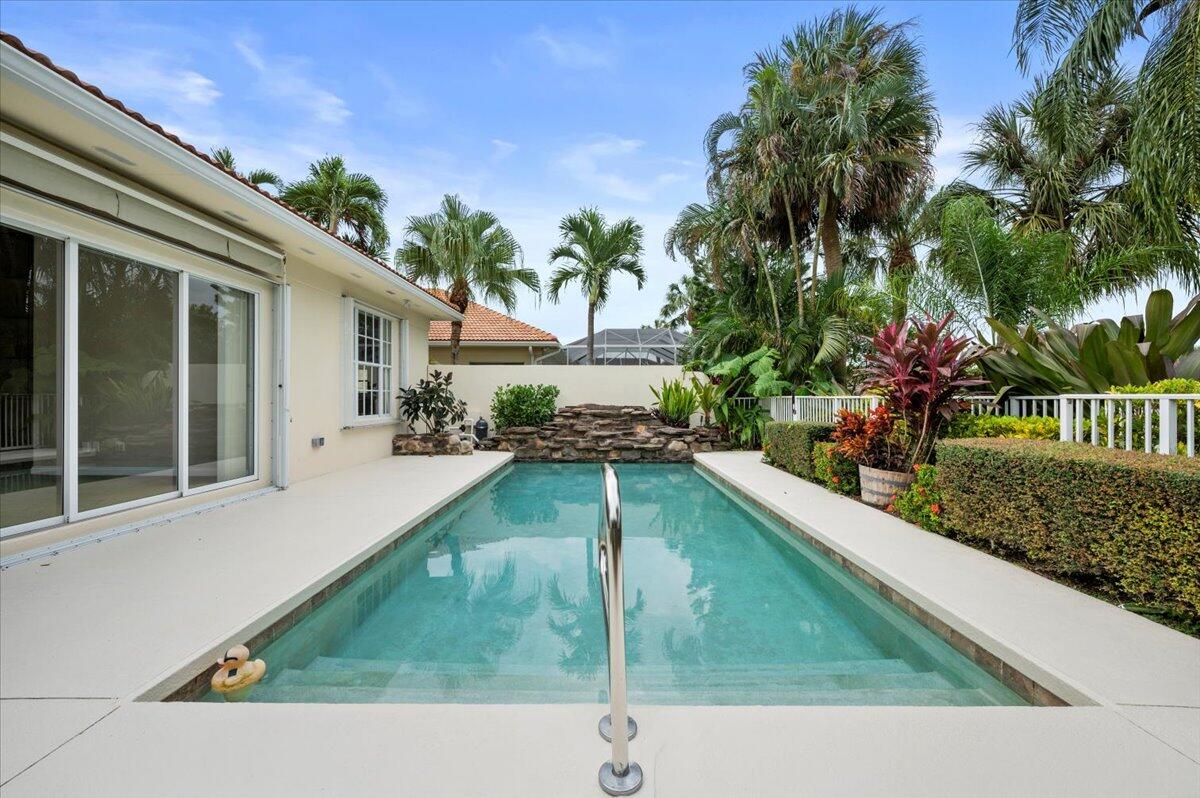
(1124, 523)
(789, 445)
(675, 403)
(834, 470)
(432, 403)
(1038, 428)
(523, 405)
(921, 504)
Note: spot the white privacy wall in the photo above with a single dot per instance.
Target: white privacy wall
(607, 385)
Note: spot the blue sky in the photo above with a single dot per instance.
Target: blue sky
(528, 110)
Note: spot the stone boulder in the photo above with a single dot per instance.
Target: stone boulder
(457, 443)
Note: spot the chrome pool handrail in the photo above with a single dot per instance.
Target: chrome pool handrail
(618, 776)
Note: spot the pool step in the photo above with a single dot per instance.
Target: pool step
(299, 693)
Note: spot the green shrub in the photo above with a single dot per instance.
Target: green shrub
(833, 469)
(921, 504)
(1173, 385)
(1038, 428)
(675, 403)
(1127, 523)
(523, 405)
(789, 444)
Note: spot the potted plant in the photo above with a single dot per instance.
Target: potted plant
(918, 368)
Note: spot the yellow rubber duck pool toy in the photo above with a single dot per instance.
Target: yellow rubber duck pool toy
(237, 674)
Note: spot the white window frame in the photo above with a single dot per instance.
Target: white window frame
(72, 240)
(395, 369)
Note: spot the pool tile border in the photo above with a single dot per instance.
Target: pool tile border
(1014, 679)
(198, 684)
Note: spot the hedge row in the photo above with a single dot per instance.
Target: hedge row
(1128, 522)
(789, 444)
(1043, 428)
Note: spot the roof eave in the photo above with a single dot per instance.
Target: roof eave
(52, 85)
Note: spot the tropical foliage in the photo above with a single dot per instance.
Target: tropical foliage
(590, 252)
(345, 203)
(259, 177)
(675, 403)
(1090, 358)
(467, 254)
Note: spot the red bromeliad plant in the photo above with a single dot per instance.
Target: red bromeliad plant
(919, 367)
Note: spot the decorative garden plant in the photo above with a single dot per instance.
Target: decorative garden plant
(1091, 358)
(919, 368)
(675, 403)
(432, 403)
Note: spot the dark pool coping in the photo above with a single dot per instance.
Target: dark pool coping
(198, 684)
(1023, 684)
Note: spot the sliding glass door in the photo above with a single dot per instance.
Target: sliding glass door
(121, 382)
(220, 383)
(31, 457)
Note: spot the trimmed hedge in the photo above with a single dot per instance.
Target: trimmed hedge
(789, 444)
(1042, 428)
(1126, 522)
(833, 469)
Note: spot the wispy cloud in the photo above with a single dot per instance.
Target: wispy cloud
(596, 164)
(575, 50)
(284, 78)
(957, 135)
(501, 149)
(140, 75)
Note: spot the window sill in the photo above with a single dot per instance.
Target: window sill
(371, 422)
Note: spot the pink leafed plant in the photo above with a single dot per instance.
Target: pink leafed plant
(919, 367)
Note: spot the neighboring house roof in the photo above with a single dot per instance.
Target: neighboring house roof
(635, 336)
(70, 76)
(481, 323)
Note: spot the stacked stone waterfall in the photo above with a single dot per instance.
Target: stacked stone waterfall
(607, 433)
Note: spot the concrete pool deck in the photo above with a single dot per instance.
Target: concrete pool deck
(85, 633)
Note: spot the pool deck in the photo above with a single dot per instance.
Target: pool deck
(85, 633)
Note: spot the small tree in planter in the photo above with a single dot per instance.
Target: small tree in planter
(432, 403)
(918, 368)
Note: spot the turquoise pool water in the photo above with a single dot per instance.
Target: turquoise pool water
(498, 602)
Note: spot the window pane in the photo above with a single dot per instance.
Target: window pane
(126, 380)
(30, 396)
(220, 383)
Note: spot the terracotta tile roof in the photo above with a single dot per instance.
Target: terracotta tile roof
(481, 323)
(70, 76)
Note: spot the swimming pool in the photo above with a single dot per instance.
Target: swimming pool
(498, 601)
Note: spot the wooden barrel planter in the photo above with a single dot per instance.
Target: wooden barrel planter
(878, 486)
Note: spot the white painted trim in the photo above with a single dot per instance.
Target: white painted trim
(350, 417)
(55, 88)
(70, 359)
(183, 378)
(124, 529)
(281, 417)
(133, 504)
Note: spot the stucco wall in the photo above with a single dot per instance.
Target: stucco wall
(318, 372)
(469, 355)
(577, 384)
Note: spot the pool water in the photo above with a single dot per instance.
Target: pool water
(498, 602)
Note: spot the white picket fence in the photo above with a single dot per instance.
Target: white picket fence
(1164, 423)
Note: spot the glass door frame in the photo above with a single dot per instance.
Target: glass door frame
(68, 355)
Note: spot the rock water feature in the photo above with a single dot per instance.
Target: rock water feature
(607, 433)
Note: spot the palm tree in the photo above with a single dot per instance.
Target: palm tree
(1086, 37)
(259, 177)
(339, 200)
(591, 251)
(684, 302)
(871, 124)
(469, 255)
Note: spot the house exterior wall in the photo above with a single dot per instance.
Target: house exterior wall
(468, 354)
(318, 372)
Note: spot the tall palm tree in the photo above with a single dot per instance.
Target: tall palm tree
(469, 255)
(591, 251)
(871, 124)
(1086, 38)
(259, 177)
(341, 201)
